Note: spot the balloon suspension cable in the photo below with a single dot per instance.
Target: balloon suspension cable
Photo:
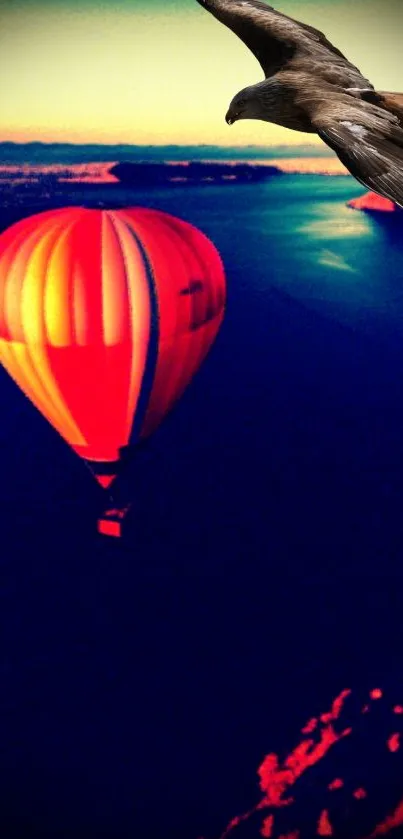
(94, 475)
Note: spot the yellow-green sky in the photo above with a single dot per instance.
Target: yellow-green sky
(160, 71)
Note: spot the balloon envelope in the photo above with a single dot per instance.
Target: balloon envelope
(105, 316)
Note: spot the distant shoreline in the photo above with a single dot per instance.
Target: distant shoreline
(139, 173)
(68, 153)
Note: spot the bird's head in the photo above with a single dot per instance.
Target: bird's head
(238, 108)
(254, 102)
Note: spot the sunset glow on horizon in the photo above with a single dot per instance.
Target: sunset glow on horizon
(159, 73)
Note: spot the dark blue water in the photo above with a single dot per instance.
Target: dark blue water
(142, 681)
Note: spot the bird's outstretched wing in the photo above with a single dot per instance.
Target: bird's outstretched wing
(275, 39)
(368, 141)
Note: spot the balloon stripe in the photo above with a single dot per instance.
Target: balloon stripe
(32, 291)
(8, 254)
(40, 359)
(181, 358)
(94, 383)
(55, 302)
(209, 262)
(78, 303)
(175, 369)
(116, 324)
(38, 349)
(173, 307)
(144, 323)
(199, 293)
(205, 336)
(57, 308)
(23, 316)
(162, 258)
(167, 350)
(200, 297)
(15, 358)
(14, 286)
(92, 376)
(34, 331)
(86, 248)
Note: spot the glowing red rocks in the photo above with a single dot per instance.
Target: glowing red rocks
(360, 794)
(394, 742)
(310, 726)
(343, 803)
(376, 694)
(338, 783)
(324, 826)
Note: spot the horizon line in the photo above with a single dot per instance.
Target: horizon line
(155, 145)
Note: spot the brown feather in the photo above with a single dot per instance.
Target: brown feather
(369, 142)
(279, 41)
(393, 102)
(311, 86)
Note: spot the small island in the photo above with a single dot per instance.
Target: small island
(373, 203)
(192, 173)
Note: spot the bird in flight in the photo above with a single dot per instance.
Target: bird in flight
(311, 86)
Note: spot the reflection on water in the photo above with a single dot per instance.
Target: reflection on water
(337, 223)
(334, 260)
(313, 238)
(294, 233)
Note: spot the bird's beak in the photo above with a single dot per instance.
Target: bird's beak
(229, 119)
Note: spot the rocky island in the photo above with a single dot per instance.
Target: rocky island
(191, 172)
(373, 203)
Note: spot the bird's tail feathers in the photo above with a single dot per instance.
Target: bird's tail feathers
(393, 96)
(393, 102)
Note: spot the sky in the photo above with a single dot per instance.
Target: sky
(160, 71)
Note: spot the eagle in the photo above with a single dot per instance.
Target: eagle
(311, 86)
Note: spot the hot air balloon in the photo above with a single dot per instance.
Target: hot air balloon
(105, 316)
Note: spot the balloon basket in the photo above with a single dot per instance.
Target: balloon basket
(110, 523)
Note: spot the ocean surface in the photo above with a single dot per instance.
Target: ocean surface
(260, 571)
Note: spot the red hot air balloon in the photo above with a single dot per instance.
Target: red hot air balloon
(105, 316)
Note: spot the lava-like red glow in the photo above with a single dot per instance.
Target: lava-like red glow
(376, 693)
(336, 708)
(390, 823)
(338, 783)
(275, 779)
(267, 827)
(288, 813)
(393, 743)
(360, 793)
(324, 826)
